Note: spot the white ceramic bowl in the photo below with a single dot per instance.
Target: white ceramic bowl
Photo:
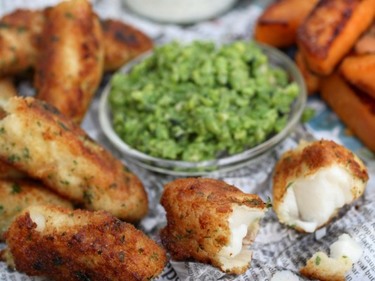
(179, 11)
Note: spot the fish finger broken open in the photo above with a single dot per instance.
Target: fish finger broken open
(212, 222)
(312, 182)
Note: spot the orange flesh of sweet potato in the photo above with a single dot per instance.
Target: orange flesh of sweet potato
(331, 30)
(366, 44)
(312, 80)
(354, 108)
(278, 24)
(360, 71)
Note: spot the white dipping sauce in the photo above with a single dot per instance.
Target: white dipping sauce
(179, 11)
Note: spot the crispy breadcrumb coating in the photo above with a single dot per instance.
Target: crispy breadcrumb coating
(81, 245)
(122, 43)
(39, 141)
(19, 40)
(17, 195)
(69, 67)
(24, 27)
(211, 222)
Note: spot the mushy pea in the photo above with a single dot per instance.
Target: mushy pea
(199, 102)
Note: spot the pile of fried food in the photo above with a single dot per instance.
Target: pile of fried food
(67, 205)
(335, 42)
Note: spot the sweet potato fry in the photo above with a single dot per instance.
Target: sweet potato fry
(331, 30)
(354, 108)
(278, 24)
(360, 71)
(312, 80)
(366, 44)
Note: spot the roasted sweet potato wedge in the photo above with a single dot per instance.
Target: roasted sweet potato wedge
(354, 108)
(360, 71)
(366, 44)
(331, 30)
(278, 24)
(312, 80)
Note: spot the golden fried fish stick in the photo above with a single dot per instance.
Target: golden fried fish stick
(17, 195)
(19, 38)
(212, 222)
(122, 43)
(7, 88)
(10, 172)
(81, 245)
(38, 140)
(70, 65)
(312, 182)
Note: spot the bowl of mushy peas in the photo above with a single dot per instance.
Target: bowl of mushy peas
(195, 108)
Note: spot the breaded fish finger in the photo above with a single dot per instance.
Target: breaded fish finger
(38, 140)
(16, 195)
(69, 67)
(122, 43)
(211, 222)
(312, 182)
(81, 245)
(7, 88)
(19, 39)
(8, 171)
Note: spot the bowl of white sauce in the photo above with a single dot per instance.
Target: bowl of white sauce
(179, 11)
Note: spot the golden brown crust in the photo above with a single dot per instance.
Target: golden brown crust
(122, 43)
(7, 88)
(16, 195)
(197, 212)
(82, 245)
(59, 153)
(331, 30)
(307, 159)
(278, 24)
(70, 63)
(8, 171)
(355, 108)
(19, 39)
(359, 70)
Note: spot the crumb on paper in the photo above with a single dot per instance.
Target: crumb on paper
(343, 254)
